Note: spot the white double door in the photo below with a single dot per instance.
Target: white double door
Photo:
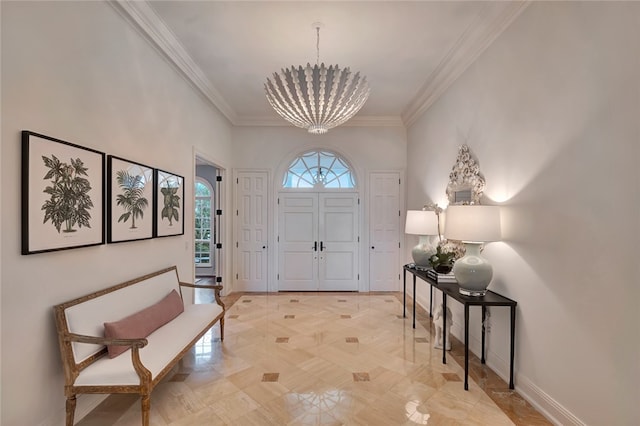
(318, 239)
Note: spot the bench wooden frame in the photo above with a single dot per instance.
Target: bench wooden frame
(72, 368)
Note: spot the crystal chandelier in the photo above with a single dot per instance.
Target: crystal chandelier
(317, 98)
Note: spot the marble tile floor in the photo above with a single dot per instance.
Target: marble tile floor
(322, 359)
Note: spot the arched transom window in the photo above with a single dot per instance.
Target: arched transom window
(319, 169)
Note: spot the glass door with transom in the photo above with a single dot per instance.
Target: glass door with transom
(318, 241)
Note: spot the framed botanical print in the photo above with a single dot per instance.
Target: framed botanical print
(169, 210)
(130, 200)
(62, 195)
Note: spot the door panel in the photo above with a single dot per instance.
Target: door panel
(252, 231)
(298, 242)
(318, 242)
(338, 233)
(384, 231)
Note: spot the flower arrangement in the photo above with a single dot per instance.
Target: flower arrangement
(447, 252)
(442, 261)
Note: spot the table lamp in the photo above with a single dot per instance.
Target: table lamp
(425, 224)
(473, 225)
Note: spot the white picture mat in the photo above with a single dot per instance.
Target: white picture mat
(177, 227)
(45, 236)
(122, 231)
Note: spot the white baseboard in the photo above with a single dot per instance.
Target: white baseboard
(543, 402)
(548, 406)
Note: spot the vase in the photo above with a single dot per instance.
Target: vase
(443, 269)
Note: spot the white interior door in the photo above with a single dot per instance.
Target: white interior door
(251, 231)
(318, 242)
(384, 231)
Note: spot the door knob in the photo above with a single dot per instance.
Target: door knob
(372, 247)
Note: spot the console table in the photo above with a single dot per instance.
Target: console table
(452, 290)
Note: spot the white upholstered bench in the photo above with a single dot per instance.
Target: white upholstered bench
(123, 312)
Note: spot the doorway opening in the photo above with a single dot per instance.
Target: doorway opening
(207, 235)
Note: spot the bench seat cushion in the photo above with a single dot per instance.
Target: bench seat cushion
(164, 345)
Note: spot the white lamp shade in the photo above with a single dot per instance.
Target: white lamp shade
(473, 223)
(421, 222)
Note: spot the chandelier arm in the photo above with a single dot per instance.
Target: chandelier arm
(332, 92)
(309, 77)
(281, 97)
(300, 112)
(303, 96)
(322, 77)
(356, 95)
(344, 83)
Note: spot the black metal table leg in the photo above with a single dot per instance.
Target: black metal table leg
(466, 347)
(484, 317)
(513, 334)
(430, 300)
(444, 328)
(414, 301)
(404, 294)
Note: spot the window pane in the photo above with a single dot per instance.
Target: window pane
(202, 231)
(202, 190)
(318, 168)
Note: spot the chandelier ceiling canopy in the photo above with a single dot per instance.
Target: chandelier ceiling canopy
(317, 98)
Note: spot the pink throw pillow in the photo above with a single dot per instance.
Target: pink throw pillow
(143, 323)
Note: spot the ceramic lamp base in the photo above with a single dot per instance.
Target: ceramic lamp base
(422, 252)
(472, 271)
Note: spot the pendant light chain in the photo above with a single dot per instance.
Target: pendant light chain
(318, 45)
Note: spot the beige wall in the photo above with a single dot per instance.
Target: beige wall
(551, 111)
(78, 72)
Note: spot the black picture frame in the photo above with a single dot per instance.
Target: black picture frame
(169, 205)
(130, 201)
(63, 188)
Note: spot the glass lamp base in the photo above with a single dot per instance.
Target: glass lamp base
(473, 293)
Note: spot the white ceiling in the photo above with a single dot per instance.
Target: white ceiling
(410, 51)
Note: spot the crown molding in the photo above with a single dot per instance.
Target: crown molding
(142, 16)
(493, 19)
(364, 121)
